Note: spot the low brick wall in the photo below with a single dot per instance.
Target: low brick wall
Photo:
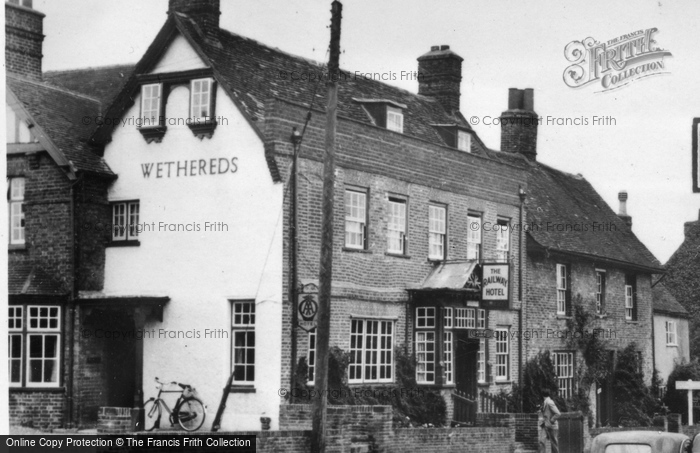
(114, 420)
(37, 409)
(449, 440)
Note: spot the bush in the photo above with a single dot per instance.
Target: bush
(632, 399)
(677, 400)
(538, 374)
(412, 405)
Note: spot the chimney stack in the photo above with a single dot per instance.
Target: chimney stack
(622, 214)
(205, 12)
(24, 38)
(440, 76)
(519, 124)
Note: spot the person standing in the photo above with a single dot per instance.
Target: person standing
(550, 427)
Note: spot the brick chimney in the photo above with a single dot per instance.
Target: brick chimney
(440, 75)
(622, 214)
(205, 12)
(24, 38)
(519, 124)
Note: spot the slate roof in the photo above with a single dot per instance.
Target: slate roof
(250, 73)
(102, 83)
(558, 200)
(664, 302)
(60, 114)
(27, 279)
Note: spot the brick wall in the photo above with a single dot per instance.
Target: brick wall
(39, 409)
(546, 329)
(24, 37)
(371, 282)
(114, 420)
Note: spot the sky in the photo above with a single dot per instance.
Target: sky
(643, 147)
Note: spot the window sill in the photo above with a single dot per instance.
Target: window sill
(153, 133)
(16, 247)
(671, 345)
(124, 244)
(506, 382)
(398, 255)
(37, 389)
(436, 260)
(601, 315)
(482, 384)
(242, 389)
(564, 317)
(349, 249)
(631, 321)
(202, 129)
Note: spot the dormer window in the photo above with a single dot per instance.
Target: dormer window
(151, 102)
(17, 130)
(201, 99)
(394, 119)
(464, 141)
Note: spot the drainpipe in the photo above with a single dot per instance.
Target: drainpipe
(521, 289)
(68, 412)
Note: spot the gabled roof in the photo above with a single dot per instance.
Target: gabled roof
(27, 279)
(102, 83)
(569, 216)
(665, 303)
(62, 119)
(250, 73)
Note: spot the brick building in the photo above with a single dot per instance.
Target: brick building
(671, 333)
(52, 176)
(578, 249)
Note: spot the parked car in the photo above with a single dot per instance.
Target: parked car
(644, 442)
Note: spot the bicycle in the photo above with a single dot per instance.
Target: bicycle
(188, 412)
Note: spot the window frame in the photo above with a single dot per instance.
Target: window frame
(568, 366)
(17, 201)
(426, 358)
(462, 138)
(364, 224)
(481, 362)
(474, 251)
(503, 236)
(448, 357)
(210, 104)
(158, 109)
(498, 332)
(25, 332)
(402, 224)
(246, 328)
(396, 113)
(630, 298)
(671, 334)
(436, 238)
(130, 228)
(382, 351)
(600, 291)
(427, 316)
(563, 292)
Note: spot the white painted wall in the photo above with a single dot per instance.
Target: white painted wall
(666, 356)
(201, 271)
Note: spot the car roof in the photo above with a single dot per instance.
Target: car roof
(658, 440)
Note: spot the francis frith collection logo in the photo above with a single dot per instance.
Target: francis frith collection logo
(614, 63)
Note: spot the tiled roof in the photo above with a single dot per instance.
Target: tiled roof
(568, 215)
(30, 280)
(61, 114)
(664, 302)
(252, 71)
(102, 83)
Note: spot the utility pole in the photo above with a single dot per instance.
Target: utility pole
(318, 442)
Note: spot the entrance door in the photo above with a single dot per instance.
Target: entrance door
(466, 354)
(605, 396)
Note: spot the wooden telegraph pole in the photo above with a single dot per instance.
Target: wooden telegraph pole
(318, 442)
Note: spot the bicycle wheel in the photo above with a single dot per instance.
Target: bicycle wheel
(191, 414)
(151, 414)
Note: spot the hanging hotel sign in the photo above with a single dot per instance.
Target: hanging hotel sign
(696, 155)
(495, 282)
(307, 307)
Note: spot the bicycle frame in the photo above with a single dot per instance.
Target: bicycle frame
(173, 414)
